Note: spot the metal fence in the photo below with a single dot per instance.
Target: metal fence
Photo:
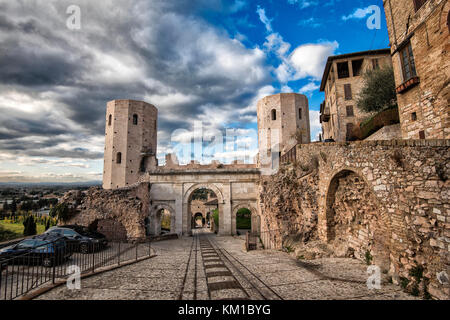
(290, 156)
(274, 239)
(55, 261)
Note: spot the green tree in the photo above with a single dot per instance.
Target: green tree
(13, 207)
(30, 228)
(47, 224)
(378, 91)
(6, 207)
(61, 212)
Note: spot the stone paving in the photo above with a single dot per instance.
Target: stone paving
(177, 272)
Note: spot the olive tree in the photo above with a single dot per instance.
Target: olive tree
(378, 91)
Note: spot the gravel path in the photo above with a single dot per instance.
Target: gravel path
(178, 272)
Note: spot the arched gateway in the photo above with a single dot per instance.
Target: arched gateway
(172, 189)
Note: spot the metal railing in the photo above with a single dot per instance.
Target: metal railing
(290, 156)
(274, 239)
(54, 261)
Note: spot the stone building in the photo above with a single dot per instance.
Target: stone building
(341, 83)
(130, 142)
(419, 39)
(283, 121)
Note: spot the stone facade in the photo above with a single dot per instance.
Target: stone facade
(130, 142)
(173, 187)
(420, 36)
(280, 118)
(342, 82)
(382, 201)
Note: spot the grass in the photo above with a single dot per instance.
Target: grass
(15, 230)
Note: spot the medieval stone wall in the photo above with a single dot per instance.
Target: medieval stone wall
(117, 213)
(386, 202)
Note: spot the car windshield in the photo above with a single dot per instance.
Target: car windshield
(26, 244)
(41, 244)
(69, 233)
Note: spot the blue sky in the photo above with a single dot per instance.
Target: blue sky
(205, 61)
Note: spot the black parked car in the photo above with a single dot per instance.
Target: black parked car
(80, 239)
(46, 250)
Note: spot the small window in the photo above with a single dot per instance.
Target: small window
(408, 63)
(109, 120)
(274, 115)
(135, 119)
(418, 4)
(422, 135)
(414, 116)
(348, 91)
(357, 66)
(343, 71)
(350, 111)
(119, 158)
(448, 21)
(300, 113)
(375, 64)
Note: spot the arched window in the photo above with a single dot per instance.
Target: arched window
(135, 119)
(119, 158)
(109, 120)
(274, 115)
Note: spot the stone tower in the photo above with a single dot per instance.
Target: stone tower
(280, 117)
(130, 142)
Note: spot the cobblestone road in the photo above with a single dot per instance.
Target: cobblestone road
(209, 267)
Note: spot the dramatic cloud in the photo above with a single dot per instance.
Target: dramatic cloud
(55, 82)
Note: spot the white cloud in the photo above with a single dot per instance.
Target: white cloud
(266, 21)
(309, 60)
(358, 14)
(308, 88)
(304, 3)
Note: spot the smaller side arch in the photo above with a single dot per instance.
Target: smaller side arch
(154, 226)
(255, 218)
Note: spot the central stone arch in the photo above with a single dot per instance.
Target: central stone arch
(218, 190)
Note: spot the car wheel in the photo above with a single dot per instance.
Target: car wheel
(84, 248)
(47, 262)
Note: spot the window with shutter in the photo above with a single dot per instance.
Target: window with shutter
(350, 111)
(408, 63)
(348, 91)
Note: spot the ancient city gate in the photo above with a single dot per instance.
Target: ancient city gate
(171, 190)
